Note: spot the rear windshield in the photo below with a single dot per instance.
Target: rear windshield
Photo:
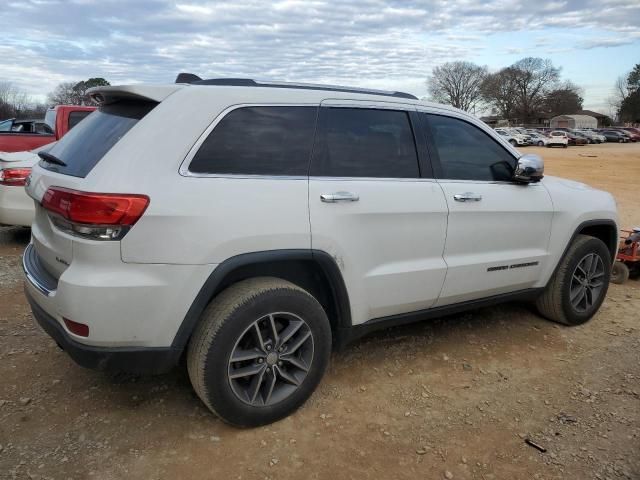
(83, 147)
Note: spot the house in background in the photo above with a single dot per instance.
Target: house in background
(573, 121)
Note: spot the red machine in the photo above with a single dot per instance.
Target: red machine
(628, 259)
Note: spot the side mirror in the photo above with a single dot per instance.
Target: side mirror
(530, 169)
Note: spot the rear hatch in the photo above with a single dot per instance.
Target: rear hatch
(64, 170)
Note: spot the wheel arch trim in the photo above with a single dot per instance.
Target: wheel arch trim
(216, 279)
(612, 244)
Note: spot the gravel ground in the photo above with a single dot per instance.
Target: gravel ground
(458, 397)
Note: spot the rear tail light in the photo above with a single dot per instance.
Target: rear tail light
(14, 176)
(97, 216)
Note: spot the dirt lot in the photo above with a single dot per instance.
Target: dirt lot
(453, 398)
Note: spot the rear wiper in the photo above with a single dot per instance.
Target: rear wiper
(47, 157)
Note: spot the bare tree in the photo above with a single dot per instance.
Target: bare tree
(619, 94)
(457, 84)
(519, 91)
(499, 90)
(64, 94)
(534, 79)
(14, 102)
(75, 93)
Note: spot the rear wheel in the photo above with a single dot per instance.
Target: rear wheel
(259, 352)
(578, 287)
(619, 273)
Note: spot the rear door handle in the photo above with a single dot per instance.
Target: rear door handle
(467, 197)
(339, 197)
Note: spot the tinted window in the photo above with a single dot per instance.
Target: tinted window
(84, 146)
(467, 153)
(259, 141)
(358, 142)
(75, 117)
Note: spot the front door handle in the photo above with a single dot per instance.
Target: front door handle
(467, 197)
(339, 197)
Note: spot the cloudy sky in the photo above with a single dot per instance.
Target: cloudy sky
(388, 44)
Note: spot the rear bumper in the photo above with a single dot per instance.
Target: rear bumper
(143, 360)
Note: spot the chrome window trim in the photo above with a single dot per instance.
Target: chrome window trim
(489, 182)
(372, 179)
(328, 103)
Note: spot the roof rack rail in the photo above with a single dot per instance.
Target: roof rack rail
(247, 82)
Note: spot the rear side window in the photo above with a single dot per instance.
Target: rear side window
(465, 152)
(361, 142)
(75, 117)
(83, 147)
(259, 141)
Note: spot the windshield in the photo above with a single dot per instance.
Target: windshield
(5, 125)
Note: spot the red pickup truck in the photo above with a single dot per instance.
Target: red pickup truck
(22, 135)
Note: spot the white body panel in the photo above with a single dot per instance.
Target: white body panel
(509, 226)
(388, 244)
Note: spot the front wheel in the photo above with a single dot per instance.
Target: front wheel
(578, 286)
(259, 352)
(513, 142)
(541, 143)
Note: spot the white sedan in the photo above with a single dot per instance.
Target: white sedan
(558, 138)
(16, 207)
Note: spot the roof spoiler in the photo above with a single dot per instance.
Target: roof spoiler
(111, 94)
(187, 78)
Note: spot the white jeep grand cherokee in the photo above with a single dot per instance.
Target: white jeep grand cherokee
(250, 226)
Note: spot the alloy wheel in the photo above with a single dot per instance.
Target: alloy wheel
(587, 282)
(271, 359)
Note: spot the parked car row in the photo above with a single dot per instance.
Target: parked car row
(549, 137)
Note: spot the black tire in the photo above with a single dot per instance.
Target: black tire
(230, 318)
(555, 303)
(621, 141)
(619, 273)
(513, 142)
(541, 143)
(564, 145)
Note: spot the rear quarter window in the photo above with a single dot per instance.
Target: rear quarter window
(83, 147)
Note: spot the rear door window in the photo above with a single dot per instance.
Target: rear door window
(83, 147)
(363, 142)
(259, 141)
